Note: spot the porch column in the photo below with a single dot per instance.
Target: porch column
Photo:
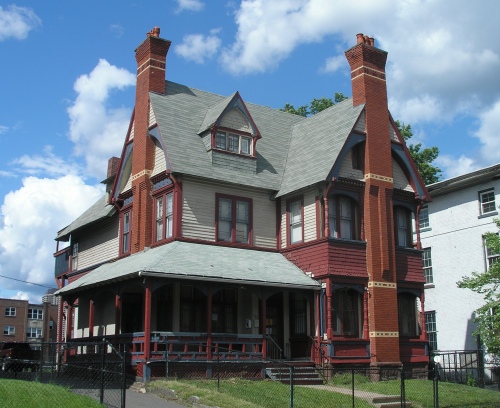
(264, 324)
(209, 323)
(329, 331)
(147, 320)
(69, 321)
(423, 333)
(91, 318)
(60, 313)
(317, 330)
(118, 312)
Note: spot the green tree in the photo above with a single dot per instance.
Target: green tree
(316, 106)
(423, 158)
(487, 283)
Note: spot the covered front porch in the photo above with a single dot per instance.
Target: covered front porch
(195, 302)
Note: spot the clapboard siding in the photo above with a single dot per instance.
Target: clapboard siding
(400, 180)
(99, 244)
(361, 123)
(160, 164)
(152, 118)
(409, 265)
(198, 211)
(234, 119)
(347, 171)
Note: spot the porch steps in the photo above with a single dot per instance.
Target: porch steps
(388, 402)
(303, 374)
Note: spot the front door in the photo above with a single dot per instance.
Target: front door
(299, 340)
(274, 326)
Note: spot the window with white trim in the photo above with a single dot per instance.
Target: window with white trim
(10, 311)
(490, 253)
(423, 217)
(295, 221)
(9, 330)
(126, 220)
(164, 216)
(233, 219)
(35, 314)
(487, 201)
(427, 265)
(430, 328)
(233, 142)
(34, 332)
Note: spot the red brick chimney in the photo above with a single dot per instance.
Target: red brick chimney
(151, 61)
(369, 87)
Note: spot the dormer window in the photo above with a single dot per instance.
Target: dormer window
(233, 142)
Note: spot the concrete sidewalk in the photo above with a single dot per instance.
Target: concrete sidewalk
(134, 399)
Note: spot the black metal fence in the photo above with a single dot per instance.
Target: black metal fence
(94, 371)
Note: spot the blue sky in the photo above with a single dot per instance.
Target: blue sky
(68, 73)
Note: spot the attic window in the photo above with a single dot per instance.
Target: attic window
(233, 142)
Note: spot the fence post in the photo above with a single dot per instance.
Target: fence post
(40, 368)
(103, 362)
(353, 388)
(124, 376)
(166, 360)
(480, 368)
(436, 386)
(403, 390)
(291, 386)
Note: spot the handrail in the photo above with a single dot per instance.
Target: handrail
(274, 351)
(317, 346)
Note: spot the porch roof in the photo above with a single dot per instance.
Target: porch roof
(190, 261)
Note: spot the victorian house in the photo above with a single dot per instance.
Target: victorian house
(232, 225)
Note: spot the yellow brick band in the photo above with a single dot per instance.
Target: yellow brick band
(141, 173)
(382, 285)
(384, 334)
(377, 177)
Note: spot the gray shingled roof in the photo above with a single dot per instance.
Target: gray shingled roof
(316, 143)
(180, 114)
(182, 260)
(100, 209)
(214, 112)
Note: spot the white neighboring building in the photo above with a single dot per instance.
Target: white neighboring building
(452, 227)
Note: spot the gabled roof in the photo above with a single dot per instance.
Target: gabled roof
(316, 144)
(180, 114)
(99, 210)
(214, 112)
(182, 260)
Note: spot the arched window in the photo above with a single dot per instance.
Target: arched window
(346, 312)
(343, 217)
(402, 227)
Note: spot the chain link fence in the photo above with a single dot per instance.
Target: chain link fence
(95, 370)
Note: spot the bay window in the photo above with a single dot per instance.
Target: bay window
(407, 314)
(343, 217)
(402, 226)
(164, 216)
(126, 219)
(346, 312)
(295, 225)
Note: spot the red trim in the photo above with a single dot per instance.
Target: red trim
(147, 320)
(233, 218)
(278, 223)
(162, 193)
(118, 313)
(318, 217)
(209, 322)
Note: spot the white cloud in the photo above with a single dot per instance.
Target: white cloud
(198, 47)
(333, 64)
(96, 130)
(190, 5)
(30, 217)
(117, 30)
(3, 129)
(488, 134)
(21, 296)
(47, 164)
(454, 167)
(16, 22)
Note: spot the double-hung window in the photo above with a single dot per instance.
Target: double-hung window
(74, 257)
(430, 328)
(35, 314)
(233, 142)
(234, 219)
(10, 311)
(423, 217)
(34, 332)
(345, 312)
(9, 330)
(427, 265)
(407, 313)
(402, 223)
(343, 215)
(487, 201)
(491, 253)
(125, 236)
(164, 216)
(295, 221)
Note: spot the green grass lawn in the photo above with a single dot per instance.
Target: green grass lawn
(28, 394)
(251, 394)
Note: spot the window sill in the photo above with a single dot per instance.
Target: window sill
(425, 229)
(490, 214)
(429, 285)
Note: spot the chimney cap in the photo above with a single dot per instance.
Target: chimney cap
(155, 32)
(364, 39)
